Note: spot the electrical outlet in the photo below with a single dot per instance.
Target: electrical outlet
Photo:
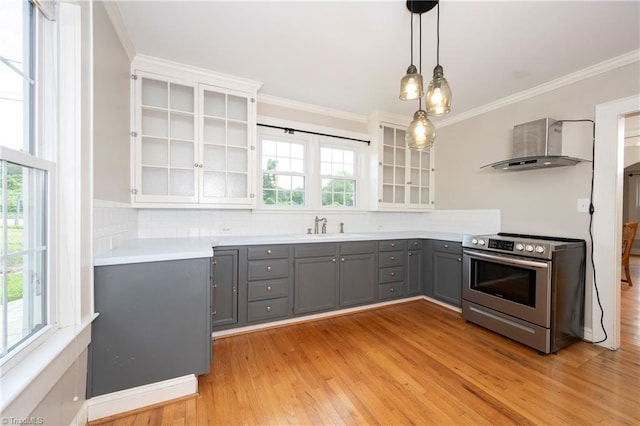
(225, 229)
(583, 205)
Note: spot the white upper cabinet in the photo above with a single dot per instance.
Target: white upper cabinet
(193, 137)
(404, 176)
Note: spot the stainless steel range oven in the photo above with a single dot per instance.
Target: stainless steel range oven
(525, 287)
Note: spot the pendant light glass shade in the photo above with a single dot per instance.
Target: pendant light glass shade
(421, 133)
(438, 96)
(411, 86)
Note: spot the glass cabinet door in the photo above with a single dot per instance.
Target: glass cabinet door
(165, 140)
(226, 147)
(405, 175)
(419, 178)
(394, 153)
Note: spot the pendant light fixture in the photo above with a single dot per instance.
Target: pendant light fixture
(411, 84)
(438, 96)
(421, 133)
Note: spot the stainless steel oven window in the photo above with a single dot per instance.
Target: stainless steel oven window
(513, 283)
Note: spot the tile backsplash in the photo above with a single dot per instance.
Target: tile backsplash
(115, 222)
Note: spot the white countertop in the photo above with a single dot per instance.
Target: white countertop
(161, 249)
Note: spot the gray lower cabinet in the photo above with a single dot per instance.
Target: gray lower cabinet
(391, 275)
(447, 272)
(268, 283)
(415, 267)
(154, 324)
(316, 278)
(358, 273)
(224, 288)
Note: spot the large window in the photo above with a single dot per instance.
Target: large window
(308, 171)
(24, 185)
(283, 173)
(337, 172)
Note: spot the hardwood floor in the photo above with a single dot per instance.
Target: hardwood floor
(412, 363)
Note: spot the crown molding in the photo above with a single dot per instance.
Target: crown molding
(120, 28)
(301, 106)
(602, 67)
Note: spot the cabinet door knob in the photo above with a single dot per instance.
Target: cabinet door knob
(392, 289)
(268, 308)
(393, 274)
(333, 260)
(214, 313)
(415, 243)
(393, 258)
(410, 254)
(446, 246)
(393, 244)
(269, 251)
(268, 288)
(269, 268)
(459, 260)
(215, 286)
(342, 259)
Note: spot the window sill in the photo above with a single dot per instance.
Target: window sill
(27, 383)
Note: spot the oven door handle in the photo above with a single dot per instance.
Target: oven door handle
(510, 260)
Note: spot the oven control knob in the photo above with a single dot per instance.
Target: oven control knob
(519, 246)
(481, 242)
(529, 248)
(474, 241)
(539, 249)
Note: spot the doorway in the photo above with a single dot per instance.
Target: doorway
(607, 219)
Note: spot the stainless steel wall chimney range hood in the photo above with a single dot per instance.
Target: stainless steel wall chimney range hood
(536, 145)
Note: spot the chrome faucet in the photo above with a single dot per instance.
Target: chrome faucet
(324, 225)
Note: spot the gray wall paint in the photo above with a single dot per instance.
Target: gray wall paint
(111, 111)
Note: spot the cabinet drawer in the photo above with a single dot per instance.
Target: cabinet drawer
(267, 309)
(414, 244)
(358, 247)
(314, 250)
(390, 291)
(447, 246)
(268, 269)
(268, 289)
(268, 252)
(391, 245)
(388, 275)
(390, 258)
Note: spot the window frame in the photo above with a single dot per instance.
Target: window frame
(354, 178)
(313, 179)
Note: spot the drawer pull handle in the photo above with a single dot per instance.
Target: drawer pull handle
(268, 308)
(342, 259)
(393, 274)
(214, 313)
(410, 254)
(393, 244)
(415, 244)
(268, 288)
(269, 268)
(333, 260)
(269, 251)
(393, 258)
(459, 260)
(392, 290)
(446, 246)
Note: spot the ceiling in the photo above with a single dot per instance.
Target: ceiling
(351, 55)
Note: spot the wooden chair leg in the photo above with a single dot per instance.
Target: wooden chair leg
(628, 274)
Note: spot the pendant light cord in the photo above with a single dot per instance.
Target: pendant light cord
(411, 17)
(438, 36)
(420, 53)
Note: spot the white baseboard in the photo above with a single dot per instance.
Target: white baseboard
(81, 418)
(141, 396)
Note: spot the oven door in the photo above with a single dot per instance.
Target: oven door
(517, 286)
